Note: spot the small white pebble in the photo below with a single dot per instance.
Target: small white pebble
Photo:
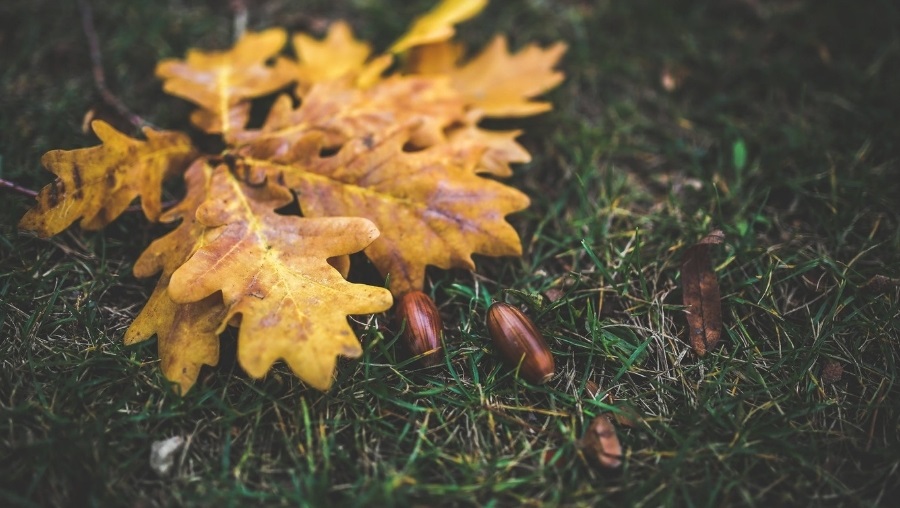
(162, 454)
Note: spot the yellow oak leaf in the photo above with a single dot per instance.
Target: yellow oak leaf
(498, 83)
(338, 55)
(219, 81)
(437, 24)
(429, 210)
(97, 184)
(272, 270)
(188, 333)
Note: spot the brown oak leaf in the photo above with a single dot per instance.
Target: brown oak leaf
(340, 111)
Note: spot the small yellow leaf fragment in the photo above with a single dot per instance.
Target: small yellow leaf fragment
(272, 270)
(98, 183)
(437, 24)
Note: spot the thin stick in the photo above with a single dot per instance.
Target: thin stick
(239, 7)
(87, 23)
(13, 186)
(17, 188)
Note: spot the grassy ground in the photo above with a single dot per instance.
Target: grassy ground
(780, 125)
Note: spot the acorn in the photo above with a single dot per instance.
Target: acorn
(422, 326)
(520, 343)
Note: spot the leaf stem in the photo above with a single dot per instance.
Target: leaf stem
(17, 188)
(239, 8)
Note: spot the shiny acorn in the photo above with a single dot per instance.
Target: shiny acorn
(422, 326)
(520, 343)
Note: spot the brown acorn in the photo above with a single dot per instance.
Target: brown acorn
(520, 343)
(422, 326)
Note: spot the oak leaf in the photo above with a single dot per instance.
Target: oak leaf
(187, 333)
(430, 209)
(97, 184)
(394, 165)
(500, 84)
(339, 55)
(221, 82)
(273, 271)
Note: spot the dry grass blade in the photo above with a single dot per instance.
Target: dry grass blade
(701, 295)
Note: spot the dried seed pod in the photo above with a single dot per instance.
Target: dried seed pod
(520, 342)
(601, 444)
(423, 326)
(832, 372)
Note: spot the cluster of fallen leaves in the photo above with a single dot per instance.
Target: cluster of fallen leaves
(394, 164)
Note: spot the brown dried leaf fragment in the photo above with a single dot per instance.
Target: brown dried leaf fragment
(700, 290)
(601, 444)
(832, 372)
(880, 284)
